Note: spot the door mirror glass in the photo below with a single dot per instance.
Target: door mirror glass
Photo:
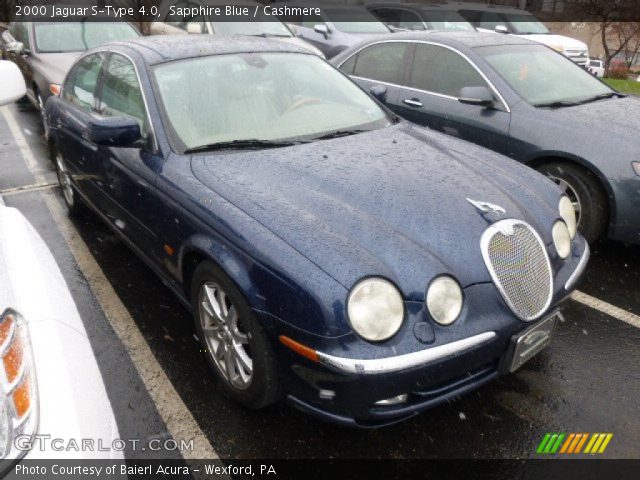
(17, 48)
(476, 96)
(13, 87)
(194, 27)
(321, 28)
(501, 29)
(114, 132)
(379, 92)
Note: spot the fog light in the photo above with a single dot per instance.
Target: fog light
(393, 400)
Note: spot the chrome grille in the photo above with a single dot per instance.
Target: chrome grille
(519, 266)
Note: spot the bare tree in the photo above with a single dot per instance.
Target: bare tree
(618, 20)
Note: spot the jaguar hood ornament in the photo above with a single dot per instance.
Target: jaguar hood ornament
(486, 207)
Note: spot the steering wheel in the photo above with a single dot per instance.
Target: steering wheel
(302, 102)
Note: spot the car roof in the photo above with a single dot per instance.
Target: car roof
(167, 48)
(484, 7)
(457, 39)
(413, 6)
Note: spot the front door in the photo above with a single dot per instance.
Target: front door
(127, 175)
(436, 76)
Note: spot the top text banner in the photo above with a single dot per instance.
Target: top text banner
(292, 11)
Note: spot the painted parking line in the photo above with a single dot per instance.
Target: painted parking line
(172, 409)
(28, 188)
(606, 308)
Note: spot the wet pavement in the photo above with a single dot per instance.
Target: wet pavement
(587, 381)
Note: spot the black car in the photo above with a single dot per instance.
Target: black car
(419, 16)
(523, 100)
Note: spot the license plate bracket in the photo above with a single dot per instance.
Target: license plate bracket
(526, 344)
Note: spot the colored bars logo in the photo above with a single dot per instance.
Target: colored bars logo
(567, 443)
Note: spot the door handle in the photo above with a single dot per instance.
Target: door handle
(413, 102)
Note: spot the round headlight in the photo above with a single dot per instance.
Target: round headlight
(568, 214)
(561, 238)
(444, 300)
(375, 309)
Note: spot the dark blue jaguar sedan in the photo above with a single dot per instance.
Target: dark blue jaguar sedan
(363, 267)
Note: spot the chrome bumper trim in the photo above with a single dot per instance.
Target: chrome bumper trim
(406, 361)
(580, 268)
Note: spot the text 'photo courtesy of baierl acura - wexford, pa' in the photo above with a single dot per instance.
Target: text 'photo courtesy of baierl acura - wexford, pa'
(320, 239)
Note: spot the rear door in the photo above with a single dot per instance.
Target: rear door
(436, 76)
(383, 64)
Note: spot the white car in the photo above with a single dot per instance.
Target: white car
(50, 383)
(596, 68)
(500, 19)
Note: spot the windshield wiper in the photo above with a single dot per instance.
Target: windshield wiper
(603, 96)
(270, 35)
(557, 104)
(241, 145)
(340, 133)
(572, 103)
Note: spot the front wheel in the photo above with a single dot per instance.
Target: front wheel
(64, 180)
(587, 195)
(235, 345)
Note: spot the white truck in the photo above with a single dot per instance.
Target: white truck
(513, 21)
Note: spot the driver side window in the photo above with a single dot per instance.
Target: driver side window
(121, 94)
(80, 87)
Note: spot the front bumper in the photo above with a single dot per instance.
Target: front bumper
(347, 378)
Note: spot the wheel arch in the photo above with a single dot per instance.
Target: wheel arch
(200, 248)
(545, 158)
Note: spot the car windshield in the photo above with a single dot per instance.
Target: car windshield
(447, 21)
(355, 20)
(542, 76)
(266, 97)
(261, 25)
(80, 36)
(526, 25)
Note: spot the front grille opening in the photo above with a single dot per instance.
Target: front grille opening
(519, 266)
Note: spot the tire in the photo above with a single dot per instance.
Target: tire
(70, 196)
(43, 122)
(585, 191)
(211, 288)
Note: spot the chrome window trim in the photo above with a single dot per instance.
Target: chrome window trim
(487, 235)
(580, 268)
(94, 110)
(144, 96)
(428, 92)
(420, 358)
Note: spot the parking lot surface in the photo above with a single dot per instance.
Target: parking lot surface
(160, 384)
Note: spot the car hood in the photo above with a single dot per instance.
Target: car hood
(390, 202)
(553, 40)
(55, 66)
(617, 118)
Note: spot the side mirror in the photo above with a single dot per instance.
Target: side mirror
(476, 96)
(114, 132)
(501, 29)
(17, 48)
(194, 27)
(379, 92)
(321, 28)
(13, 87)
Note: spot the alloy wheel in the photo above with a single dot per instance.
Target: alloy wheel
(65, 181)
(227, 343)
